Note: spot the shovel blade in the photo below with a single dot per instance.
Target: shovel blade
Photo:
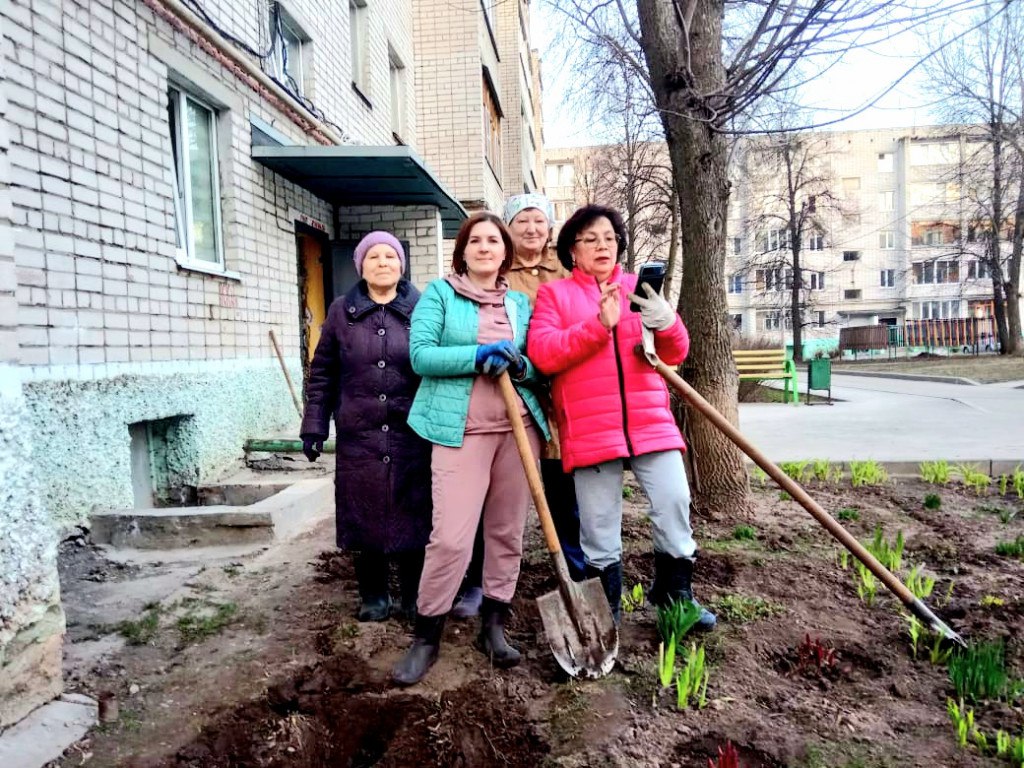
(588, 645)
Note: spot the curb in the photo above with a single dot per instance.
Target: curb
(910, 377)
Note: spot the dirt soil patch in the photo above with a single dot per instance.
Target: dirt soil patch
(985, 369)
(293, 680)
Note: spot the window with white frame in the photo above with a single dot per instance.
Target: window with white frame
(887, 201)
(815, 280)
(978, 270)
(816, 241)
(776, 279)
(736, 283)
(288, 55)
(887, 240)
(936, 310)
(928, 272)
(737, 245)
(357, 40)
(775, 240)
(888, 278)
(399, 97)
(193, 128)
(774, 319)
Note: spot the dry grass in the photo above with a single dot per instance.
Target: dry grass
(984, 368)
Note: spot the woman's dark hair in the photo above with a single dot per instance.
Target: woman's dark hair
(462, 240)
(582, 219)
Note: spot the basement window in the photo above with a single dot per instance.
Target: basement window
(164, 465)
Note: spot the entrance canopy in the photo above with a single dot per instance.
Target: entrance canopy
(362, 175)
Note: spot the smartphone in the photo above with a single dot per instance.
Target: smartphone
(652, 273)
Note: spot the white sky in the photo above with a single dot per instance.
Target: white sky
(848, 86)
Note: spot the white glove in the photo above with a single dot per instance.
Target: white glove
(655, 313)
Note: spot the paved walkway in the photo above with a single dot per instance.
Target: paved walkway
(893, 420)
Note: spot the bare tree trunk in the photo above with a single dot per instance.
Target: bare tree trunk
(673, 244)
(1012, 283)
(699, 164)
(794, 305)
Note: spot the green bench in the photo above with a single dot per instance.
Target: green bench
(762, 364)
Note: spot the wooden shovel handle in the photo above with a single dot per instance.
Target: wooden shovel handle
(511, 397)
(791, 487)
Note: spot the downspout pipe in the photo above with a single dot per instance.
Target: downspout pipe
(188, 17)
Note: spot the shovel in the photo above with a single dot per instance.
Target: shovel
(794, 489)
(576, 617)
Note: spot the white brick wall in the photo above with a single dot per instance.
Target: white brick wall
(91, 186)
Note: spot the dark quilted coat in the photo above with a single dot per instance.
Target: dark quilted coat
(361, 375)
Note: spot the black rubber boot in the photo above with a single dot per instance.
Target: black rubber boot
(611, 580)
(673, 582)
(372, 575)
(410, 566)
(471, 591)
(491, 640)
(422, 653)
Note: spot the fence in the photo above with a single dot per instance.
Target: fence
(973, 333)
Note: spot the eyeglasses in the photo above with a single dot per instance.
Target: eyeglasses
(592, 241)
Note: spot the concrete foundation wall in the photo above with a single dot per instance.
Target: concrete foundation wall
(31, 619)
(89, 421)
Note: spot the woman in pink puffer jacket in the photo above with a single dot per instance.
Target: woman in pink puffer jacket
(612, 406)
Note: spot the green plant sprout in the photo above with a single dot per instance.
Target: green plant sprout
(974, 478)
(868, 472)
(634, 599)
(666, 662)
(888, 554)
(743, 609)
(692, 681)
(991, 601)
(963, 720)
(761, 475)
(1004, 483)
(915, 629)
(932, 501)
(627, 492)
(744, 533)
(844, 560)
(822, 470)
(978, 672)
(867, 584)
(784, 496)
(676, 619)
(1013, 548)
(798, 470)
(940, 653)
(935, 472)
(919, 584)
(946, 598)
(848, 513)
(1018, 482)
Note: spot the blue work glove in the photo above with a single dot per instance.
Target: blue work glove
(312, 446)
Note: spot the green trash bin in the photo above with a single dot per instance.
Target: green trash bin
(819, 376)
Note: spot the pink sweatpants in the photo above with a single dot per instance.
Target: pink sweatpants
(484, 476)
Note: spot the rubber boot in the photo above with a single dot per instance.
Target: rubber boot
(673, 582)
(410, 566)
(471, 592)
(372, 575)
(422, 653)
(611, 580)
(491, 641)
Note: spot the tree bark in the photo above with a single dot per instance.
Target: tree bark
(1013, 277)
(700, 175)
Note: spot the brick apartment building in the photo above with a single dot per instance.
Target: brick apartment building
(892, 238)
(178, 179)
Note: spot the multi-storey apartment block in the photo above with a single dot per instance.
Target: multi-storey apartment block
(890, 232)
(177, 181)
(477, 82)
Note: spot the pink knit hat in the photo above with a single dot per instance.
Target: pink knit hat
(377, 238)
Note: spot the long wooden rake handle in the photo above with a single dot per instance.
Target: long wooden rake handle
(794, 489)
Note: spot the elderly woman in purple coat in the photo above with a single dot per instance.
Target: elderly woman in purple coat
(361, 375)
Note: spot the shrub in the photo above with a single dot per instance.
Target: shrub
(935, 472)
(932, 501)
(867, 473)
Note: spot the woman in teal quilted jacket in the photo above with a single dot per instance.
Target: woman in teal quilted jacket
(467, 330)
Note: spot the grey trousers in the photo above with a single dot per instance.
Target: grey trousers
(599, 494)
